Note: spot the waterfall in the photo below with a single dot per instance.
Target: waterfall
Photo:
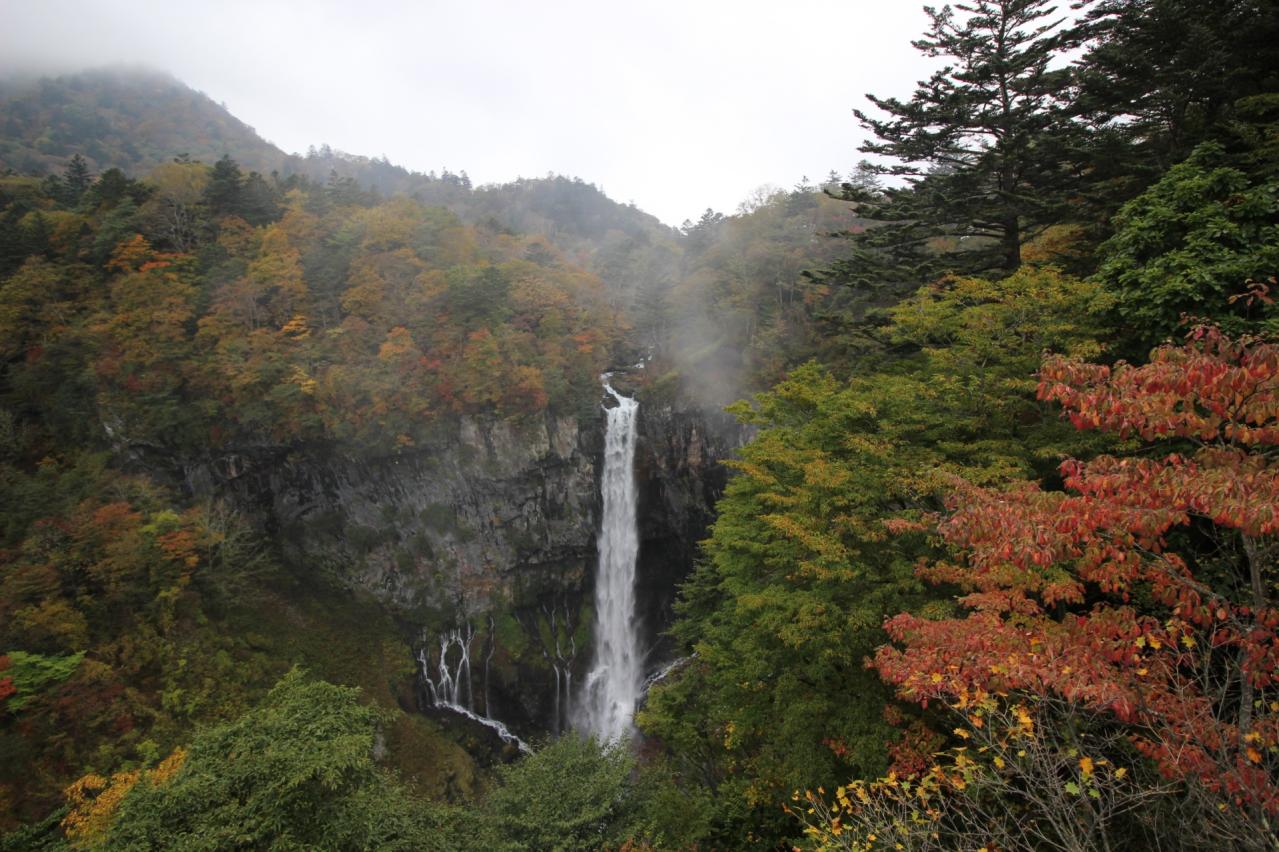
(560, 659)
(613, 684)
(451, 687)
(664, 672)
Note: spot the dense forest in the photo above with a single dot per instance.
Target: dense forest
(997, 566)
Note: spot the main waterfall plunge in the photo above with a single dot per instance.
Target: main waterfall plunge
(607, 705)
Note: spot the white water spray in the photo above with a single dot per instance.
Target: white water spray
(612, 687)
(451, 687)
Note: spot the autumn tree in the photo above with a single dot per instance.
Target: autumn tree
(145, 343)
(800, 572)
(1143, 595)
(173, 210)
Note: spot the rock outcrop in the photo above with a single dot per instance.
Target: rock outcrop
(493, 526)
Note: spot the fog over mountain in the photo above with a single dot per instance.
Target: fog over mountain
(676, 107)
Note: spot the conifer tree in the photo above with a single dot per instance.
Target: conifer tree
(1163, 76)
(980, 144)
(76, 179)
(223, 194)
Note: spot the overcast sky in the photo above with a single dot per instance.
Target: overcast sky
(674, 105)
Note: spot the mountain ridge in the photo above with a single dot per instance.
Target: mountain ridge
(136, 118)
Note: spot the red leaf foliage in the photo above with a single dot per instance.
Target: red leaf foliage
(1078, 594)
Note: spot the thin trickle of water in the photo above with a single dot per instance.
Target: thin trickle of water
(560, 658)
(451, 688)
(612, 687)
(664, 672)
(452, 683)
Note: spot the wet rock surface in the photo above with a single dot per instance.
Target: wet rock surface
(494, 523)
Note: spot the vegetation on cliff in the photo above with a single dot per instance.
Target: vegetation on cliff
(874, 520)
(998, 569)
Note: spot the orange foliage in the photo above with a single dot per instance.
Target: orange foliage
(92, 801)
(1051, 576)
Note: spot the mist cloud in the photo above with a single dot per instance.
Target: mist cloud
(677, 106)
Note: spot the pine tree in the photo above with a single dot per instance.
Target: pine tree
(76, 180)
(1166, 75)
(980, 144)
(258, 203)
(223, 194)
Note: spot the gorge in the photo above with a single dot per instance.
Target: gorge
(484, 545)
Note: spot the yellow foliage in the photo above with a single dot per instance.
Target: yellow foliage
(1056, 243)
(92, 801)
(296, 327)
(164, 772)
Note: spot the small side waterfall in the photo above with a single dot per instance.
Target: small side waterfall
(665, 671)
(560, 655)
(612, 687)
(451, 687)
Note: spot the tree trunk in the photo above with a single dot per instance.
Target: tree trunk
(1011, 241)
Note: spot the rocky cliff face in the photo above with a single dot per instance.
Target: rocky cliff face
(493, 528)
(680, 469)
(491, 513)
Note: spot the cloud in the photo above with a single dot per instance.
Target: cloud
(677, 106)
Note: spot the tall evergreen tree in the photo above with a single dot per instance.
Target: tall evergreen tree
(76, 180)
(258, 202)
(980, 144)
(223, 194)
(1166, 75)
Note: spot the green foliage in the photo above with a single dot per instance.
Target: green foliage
(222, 195)
(1201, 235)
(43, 836)
(1162, 76)
(296, 772)
(786, 606)
(131, 119)
(204, 308)
(801, 567)
(576, 794)
(32, 674)
(980, 343)
(981, 142)
(571, 795)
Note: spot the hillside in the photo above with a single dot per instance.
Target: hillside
(200, 352)
(133, 119)
(714, 304)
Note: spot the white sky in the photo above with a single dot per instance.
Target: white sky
(676, 106)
